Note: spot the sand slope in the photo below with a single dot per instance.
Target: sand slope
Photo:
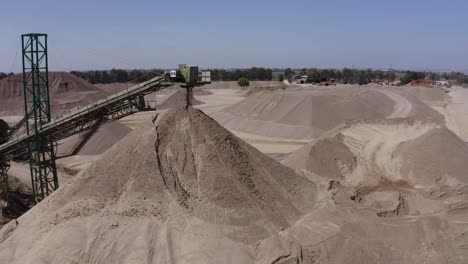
(186, 192)
(97, 143)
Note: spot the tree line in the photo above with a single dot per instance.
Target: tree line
(4, 75)
(118, 75)
(359, 76)
(315, 75)
(346, 75)
(123, 76)
(252, 74)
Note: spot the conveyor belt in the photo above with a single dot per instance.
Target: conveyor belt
(81, 119)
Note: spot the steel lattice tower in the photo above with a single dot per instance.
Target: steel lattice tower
(41, 150)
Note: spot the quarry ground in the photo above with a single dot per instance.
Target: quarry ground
(387, 168)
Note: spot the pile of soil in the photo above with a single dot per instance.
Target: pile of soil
(187, 191)
(66, 91)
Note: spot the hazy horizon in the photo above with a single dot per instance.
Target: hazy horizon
(92, 35)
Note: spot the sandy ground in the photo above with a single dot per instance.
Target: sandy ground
(226, 94)
(220, 99)
(386, 179)
(402, 106)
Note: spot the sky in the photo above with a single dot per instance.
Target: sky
(101, 34)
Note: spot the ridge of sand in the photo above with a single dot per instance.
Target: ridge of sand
(187, 191)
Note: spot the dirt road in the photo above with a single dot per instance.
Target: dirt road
(402, 107)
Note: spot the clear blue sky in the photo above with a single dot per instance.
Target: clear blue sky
(84, 34)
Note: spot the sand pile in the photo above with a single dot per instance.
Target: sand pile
(187, 191)
(327, 157)
(178, 98)
(303, 114)
(66, 91)
(407, 151)
(113, 88)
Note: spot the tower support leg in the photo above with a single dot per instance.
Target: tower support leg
(42, 151)
(4, 186)
(44, 178)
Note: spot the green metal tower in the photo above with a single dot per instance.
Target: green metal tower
(42, 151)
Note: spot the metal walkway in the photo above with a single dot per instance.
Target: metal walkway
(112, 108)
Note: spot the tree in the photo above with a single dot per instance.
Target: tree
(280, 77)
(411, 76)
(314, 75)
(243, 82)
(288, 73)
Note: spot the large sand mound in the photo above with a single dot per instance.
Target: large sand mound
(66, 91)
(302, 114)
(186, 192)
(308, 113)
